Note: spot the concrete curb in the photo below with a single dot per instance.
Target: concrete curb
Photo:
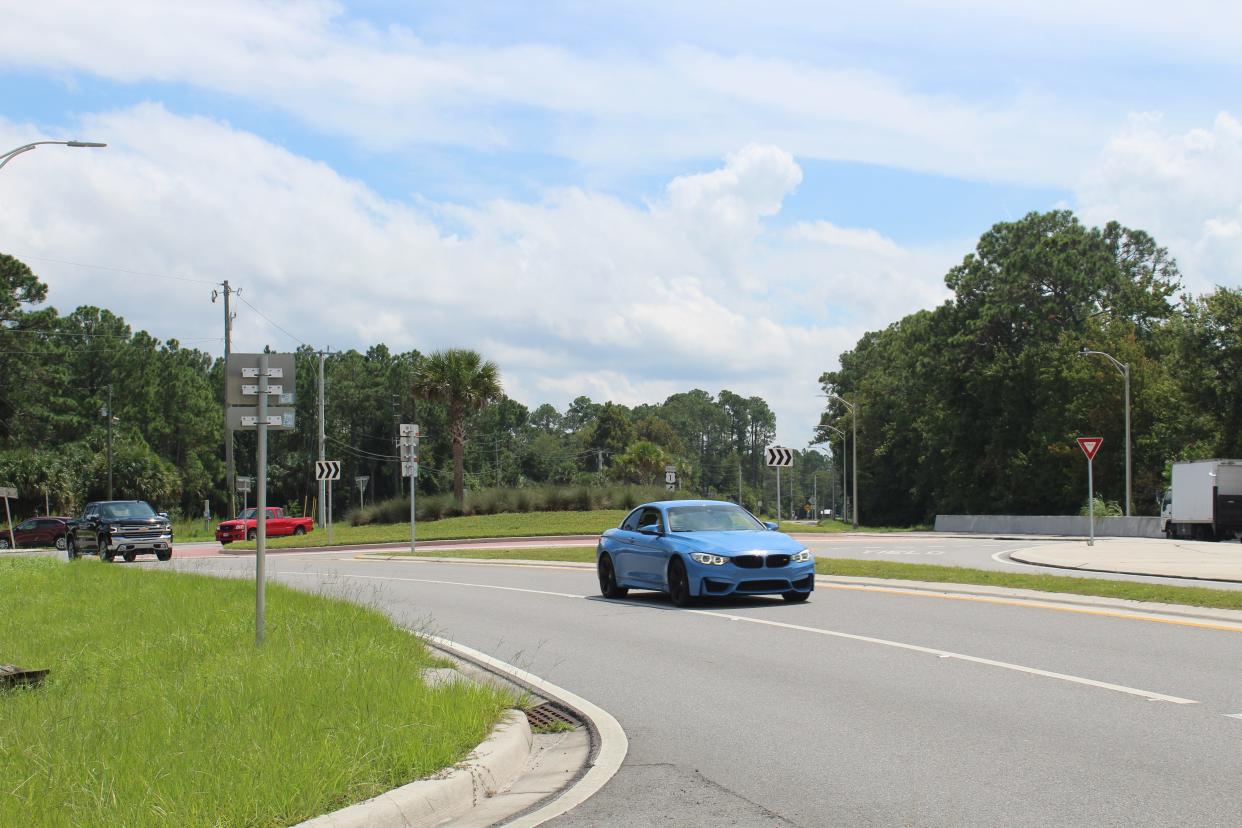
(606, 730)
(1193, 580)
(430, 802)
(398, 546)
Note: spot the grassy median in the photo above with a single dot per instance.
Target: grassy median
(1100, 587)
(160, 710)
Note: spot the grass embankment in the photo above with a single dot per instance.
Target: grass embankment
(1099, 587)
(511, 525)
(160, 710)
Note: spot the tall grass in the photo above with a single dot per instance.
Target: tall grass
(160, 710)
(496, 501)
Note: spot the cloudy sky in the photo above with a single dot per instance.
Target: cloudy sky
(622, 200)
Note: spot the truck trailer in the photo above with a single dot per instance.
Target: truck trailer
(1204, 501)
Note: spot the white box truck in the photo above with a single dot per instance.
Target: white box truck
(1204, 502)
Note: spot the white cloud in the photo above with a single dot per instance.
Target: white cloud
(1185, 188)
(575, 293)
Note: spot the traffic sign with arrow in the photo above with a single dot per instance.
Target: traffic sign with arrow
(779, 456)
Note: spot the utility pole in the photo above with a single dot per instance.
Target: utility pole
(229, 468)
(323, 485)
(396, 443)
(109, 442)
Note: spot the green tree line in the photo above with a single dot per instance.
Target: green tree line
(974, 407)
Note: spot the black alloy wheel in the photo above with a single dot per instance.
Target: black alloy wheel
(61, 543)
(4, 543)
(679, 584)
(299, 530)
(795, 597)
(608, 578)
(105, 554)
(252, 534)
(163, 554)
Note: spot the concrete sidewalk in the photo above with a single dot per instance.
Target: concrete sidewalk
(1142, 556)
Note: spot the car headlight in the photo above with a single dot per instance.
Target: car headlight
(804, 555)
(709, 559)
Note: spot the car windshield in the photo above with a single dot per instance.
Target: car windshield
(246, 514)
(137, 509)
(714, 518)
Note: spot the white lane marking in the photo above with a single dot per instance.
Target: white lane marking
(1232, 715)
(446, 583)
(996, 556)
(987, 662)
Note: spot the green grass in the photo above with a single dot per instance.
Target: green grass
(509, 525)
(160, 710)
(1099, 587)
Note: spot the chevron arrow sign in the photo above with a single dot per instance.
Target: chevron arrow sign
(778, 456)
(327, 469)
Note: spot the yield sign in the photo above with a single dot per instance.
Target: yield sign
(1090, 445)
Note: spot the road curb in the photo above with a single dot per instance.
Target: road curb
(429, 802)
(1192, 579)
(607, 733)
(397, 546)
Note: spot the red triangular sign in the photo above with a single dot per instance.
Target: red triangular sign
(1090, 445)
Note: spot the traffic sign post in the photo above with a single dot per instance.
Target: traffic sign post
(328, 471)
(407, 443)
(8, 492)
(1090, 446)
(361, 482)
(670, 477)
(779, 457)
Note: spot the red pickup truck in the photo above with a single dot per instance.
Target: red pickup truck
(245, 526)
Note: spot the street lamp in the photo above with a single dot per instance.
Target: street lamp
(1125, 373)
(13, 153)
(832, 486)
(854, 421)
(106, 411)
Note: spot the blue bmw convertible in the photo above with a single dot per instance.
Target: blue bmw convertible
(694, 548)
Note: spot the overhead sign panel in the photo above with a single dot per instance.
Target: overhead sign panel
(779, 456)
(1090, 445)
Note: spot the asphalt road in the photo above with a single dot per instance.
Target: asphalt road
(856, 708)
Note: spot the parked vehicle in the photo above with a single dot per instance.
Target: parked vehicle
(246, 525)
(1204, 502)
(45, 532)
(126, 527)
(693, 548)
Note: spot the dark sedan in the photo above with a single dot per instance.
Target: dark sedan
(46, 532)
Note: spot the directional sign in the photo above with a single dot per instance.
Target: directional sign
(242, 377)
(1090, 445)
(248, 417)
(778, 456)
(327, 469)
(244, 483)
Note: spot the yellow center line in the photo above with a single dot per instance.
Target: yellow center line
(1032, 604)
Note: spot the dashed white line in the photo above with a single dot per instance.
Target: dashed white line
(987, 662)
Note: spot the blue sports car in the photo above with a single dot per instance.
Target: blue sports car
(692, 548)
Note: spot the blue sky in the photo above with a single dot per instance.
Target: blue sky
(618, 199)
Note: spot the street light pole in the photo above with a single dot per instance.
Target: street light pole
(1124, 368)
(853, 408)
(13, 153)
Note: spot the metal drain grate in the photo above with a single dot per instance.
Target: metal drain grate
(551, 716)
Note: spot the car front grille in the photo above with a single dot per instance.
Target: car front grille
(777, 561)
(140, 529)
(748, 561)
(762, 586)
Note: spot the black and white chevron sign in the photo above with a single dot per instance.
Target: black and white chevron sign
(778, 456)
(327, 469)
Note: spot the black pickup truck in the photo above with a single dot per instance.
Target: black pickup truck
(125, 527)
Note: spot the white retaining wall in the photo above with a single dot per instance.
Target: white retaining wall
(1119, 527)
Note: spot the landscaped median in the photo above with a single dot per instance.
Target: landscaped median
(160, 710)
(930, 573)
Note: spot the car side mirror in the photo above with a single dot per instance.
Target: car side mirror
(648, 530)
(164, 515)
(772, 527)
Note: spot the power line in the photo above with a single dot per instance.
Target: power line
(269, 320)
(119, 270)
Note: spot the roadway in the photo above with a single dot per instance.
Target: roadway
(856, 708)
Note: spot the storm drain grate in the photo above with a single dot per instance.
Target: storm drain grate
(550, 716)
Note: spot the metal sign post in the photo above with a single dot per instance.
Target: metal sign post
(260, 503)
(243, 486)
(779, 457)
(361, 482)
(407, 443)
(8, 492)
(1089, 446)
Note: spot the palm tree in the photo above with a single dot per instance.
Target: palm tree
(463, 381)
